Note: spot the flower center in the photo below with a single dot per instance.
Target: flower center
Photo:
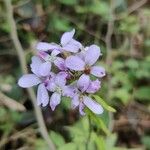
(87, 70)
(58, 89)
(51, 58)
(81, 98)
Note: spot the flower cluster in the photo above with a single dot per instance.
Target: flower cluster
(66, 69)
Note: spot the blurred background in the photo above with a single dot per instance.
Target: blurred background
(122, 29)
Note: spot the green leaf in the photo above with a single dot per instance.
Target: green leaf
(69, 146)
(41, 144)
(103, 103)
(111, 141)
(100, 142)
(122, 94)
(132, 63)
(146, 141)
(143, 93)
(57, 139)
(99, 122)
(99, 8)
(60, 24)
(68, 2)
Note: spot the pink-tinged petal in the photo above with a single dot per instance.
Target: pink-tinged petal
(42, 95)
(83, 82)
(36, 62)
(28, 80)
(73, 46)
(43, 55)
(60, 63)
(44, 46)
(62, 74)
(94, 86)
(81, 108)
(92, 105)
(92, 54)
(66, 37)
(75, 63)
(75, 101)
(98, 71)
(44, 69)
(55, 100)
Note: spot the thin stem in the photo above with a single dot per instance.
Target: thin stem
(22, 60)
(89, 134)
(109, 33)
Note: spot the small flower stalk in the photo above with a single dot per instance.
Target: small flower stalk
(67, 69)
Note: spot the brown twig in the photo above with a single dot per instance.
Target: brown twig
(20, 53)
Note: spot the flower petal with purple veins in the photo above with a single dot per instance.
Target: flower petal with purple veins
(42, 95)
(81, 107)
(60, 63)
(44, 69)
(75, 63)
(43, 55)
(83, 82)
(36, 62)
(75, 101)
(55, 100)
(44, 46)
(66, 37)
(92, 54)
(98, 71)
(28, 80)
(92, 105)
(94, 86)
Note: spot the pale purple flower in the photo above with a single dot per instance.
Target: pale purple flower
(58, 86)
(60, 76)
(87, 61)
(52, 58)
(85, 85)
(36, 78)
(67, 43)
(44, 46)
